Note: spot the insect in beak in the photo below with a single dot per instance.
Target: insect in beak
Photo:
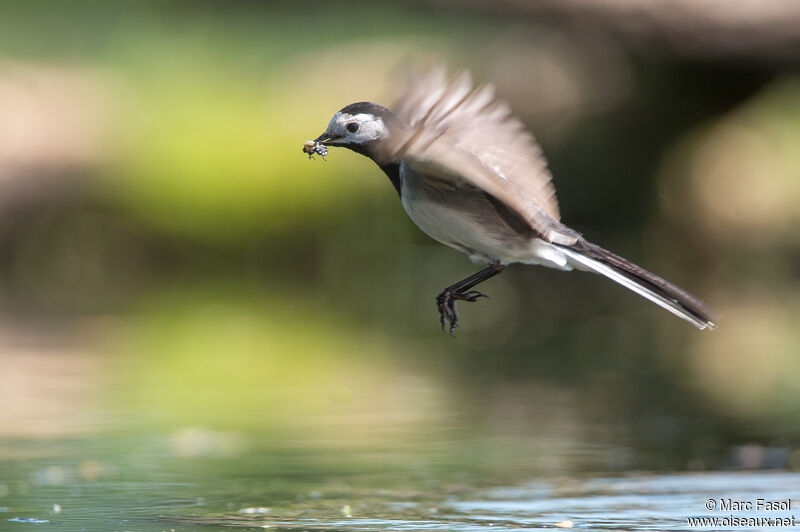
(312, 147)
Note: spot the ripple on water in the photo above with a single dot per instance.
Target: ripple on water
(660, 502)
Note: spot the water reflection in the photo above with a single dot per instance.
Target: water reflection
(288, 440)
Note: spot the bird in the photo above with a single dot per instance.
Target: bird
(470, 175)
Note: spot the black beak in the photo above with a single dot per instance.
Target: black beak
(326, 139)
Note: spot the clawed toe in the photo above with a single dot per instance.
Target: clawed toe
(447, 312)
(461, 291)
(446, 303)
(472, 296)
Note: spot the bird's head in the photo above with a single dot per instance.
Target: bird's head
(360, 127)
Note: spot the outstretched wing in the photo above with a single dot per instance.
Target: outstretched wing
(463, 135)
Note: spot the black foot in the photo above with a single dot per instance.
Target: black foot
(446, 303)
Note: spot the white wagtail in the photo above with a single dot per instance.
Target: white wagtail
(472, 177)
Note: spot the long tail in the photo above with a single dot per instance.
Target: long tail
(587, 256)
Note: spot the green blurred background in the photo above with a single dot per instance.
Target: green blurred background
(174, 271)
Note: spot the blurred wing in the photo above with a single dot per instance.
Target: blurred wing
(456, 133)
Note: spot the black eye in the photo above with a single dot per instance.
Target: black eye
(352, 127)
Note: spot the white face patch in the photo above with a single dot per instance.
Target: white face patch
(370, 127)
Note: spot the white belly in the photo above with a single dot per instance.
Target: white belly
(451, 227)
(462, 230)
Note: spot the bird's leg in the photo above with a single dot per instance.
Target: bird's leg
(462, 291)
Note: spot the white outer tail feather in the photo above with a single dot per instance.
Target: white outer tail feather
(585, 263)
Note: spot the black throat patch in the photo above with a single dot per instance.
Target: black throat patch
(393, 171)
